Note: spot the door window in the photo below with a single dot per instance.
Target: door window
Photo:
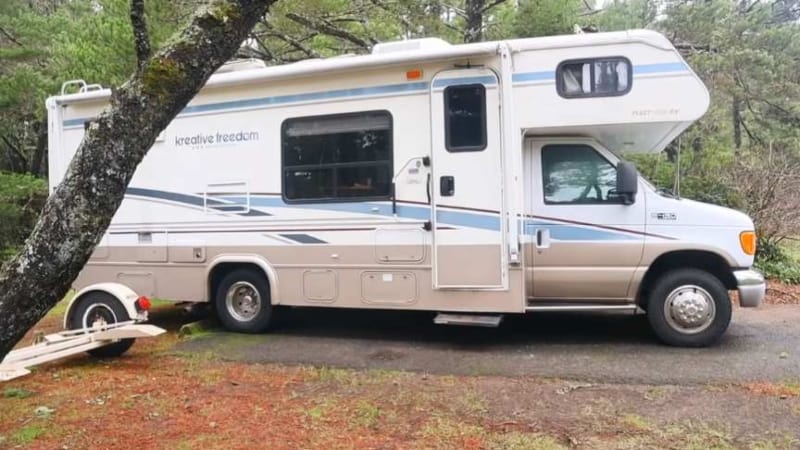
(577, 175)
(465, 118)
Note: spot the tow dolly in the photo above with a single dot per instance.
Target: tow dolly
(71, 342)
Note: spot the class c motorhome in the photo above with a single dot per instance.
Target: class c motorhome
(469, 180)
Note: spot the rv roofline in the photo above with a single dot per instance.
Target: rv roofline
(359, 62)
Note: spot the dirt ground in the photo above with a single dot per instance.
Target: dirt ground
(159, 397)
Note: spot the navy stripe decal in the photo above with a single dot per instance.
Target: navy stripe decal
(304, 238)
(190, 200)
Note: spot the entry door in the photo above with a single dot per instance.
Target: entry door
(466, 181)
(586, 244)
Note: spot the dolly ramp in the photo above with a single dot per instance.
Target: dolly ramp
(67, 343)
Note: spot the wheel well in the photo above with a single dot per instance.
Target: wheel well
(220, 270)
(695, 259)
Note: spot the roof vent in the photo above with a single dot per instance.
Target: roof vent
(236, 65)
(409, 45)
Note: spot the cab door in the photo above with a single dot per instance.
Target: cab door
(466, 181)
(586, 244)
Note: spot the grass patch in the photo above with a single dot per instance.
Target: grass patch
(327, 374)
(785, 442)
(367, 414)
(785, 388)
(525, 441)
(448, 432)
(26, 435)
(636, 422)
(17, 393)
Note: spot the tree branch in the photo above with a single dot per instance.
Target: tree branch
(491, 5)
(10, 37)
(326, 27)
(141, 38)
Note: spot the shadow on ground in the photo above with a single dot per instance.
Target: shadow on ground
(760, 345)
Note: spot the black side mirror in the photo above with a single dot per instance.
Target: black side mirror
(627, 182)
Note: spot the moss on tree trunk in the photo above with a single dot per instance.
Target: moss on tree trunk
(77, 214)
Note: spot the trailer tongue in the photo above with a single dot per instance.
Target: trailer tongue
(67, 343)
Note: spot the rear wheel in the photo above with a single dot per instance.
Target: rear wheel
(101, 307)
(689, 308)
(243, 302)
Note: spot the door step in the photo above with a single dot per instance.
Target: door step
(470, 320)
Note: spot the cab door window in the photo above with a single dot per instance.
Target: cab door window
(576, 174)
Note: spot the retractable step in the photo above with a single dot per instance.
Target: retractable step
(470, 320)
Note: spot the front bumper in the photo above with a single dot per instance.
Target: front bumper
(751, 286)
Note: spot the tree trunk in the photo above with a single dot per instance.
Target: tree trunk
(77, 214)
(473, 29)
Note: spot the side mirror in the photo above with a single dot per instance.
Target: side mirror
(627, 182)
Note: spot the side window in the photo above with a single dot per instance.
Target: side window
(343, 157)
(577, 175)
(601, 77)
(465, 118)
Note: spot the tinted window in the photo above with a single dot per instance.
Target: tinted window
(594, 77)
(345, 156)
(465, 118)
(577, 174)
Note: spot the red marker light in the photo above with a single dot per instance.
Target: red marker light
(143, 303)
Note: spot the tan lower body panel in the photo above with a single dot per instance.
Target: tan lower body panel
(319, 275)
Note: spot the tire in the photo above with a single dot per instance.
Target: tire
(243, 302)
(101, 305)
(705, 313)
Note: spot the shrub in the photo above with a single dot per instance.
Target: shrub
(21, 199)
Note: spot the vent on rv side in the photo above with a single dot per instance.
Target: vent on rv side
(409, 45)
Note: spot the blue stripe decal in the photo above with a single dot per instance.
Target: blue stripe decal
(660, 68)
(483, 221)
(391, 89)
(547, 75)
(444, 82)
(74, 122)
(311, 96)
(567, 232)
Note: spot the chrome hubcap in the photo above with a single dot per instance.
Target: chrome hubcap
(689, 309)
(98, 314)
(243, 301)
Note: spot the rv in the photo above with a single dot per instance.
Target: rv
(472, 181)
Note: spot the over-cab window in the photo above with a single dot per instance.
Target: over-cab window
(599, 77)
(465, 118)
(577, 175)
(343, 157)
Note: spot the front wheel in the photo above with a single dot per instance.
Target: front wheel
(689, 308)
(243, 301)
(104, 308)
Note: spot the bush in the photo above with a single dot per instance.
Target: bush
(773, 260)
(21, 199)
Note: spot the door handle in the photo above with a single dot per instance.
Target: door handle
(543, 238)
(447, 186)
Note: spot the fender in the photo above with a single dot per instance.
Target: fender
(262, 263)
(123, 293)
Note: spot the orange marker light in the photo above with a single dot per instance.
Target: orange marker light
(747, 239)
(414, 74)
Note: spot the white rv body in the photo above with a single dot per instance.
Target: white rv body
(464, 231)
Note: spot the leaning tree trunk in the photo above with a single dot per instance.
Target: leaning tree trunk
(77, 214)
